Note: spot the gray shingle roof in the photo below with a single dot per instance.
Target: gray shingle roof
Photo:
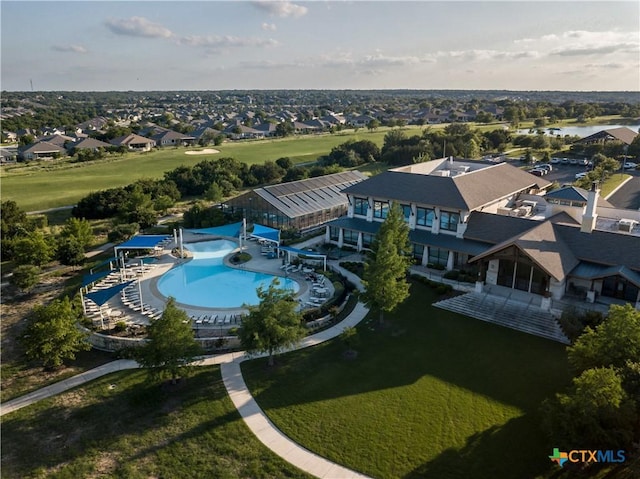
(570, 193)
(298, 198)
(624, 134)
(91, 143)
(462, 192)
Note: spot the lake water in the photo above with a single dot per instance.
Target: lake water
(581, 131)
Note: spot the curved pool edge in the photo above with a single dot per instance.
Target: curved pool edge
(253, 249)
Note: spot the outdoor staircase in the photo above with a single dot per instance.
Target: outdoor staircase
(506, 312)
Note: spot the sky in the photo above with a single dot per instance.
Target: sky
(217, 45)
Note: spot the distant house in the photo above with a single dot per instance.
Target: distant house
(267, 128)
(60, 140)
(134, 142)
(623, 134)
(90, 144)
(8, 155)
(238, 131)
(173, 138)
(42, 150)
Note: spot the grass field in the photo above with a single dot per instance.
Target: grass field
(435, 395)
(54, 184)
(125, 427)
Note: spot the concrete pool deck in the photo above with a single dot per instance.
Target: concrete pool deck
(152, 297)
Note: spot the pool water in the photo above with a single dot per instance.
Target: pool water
(206, 281)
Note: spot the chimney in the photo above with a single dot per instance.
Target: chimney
(590, 214)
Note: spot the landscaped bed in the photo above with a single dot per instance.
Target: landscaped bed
(430, 394)
(123, 426)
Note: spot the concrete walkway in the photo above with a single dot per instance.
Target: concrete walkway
(254, 417)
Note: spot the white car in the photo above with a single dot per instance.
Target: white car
(630, 165)
(555, 161)
(579, 176)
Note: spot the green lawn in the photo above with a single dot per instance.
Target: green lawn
(435, 395)
(52, 184)
(612, 183)
(123, 426)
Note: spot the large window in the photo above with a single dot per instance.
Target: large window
(350, 237)
(367, 239)
(418, 252)
(438, 256)
(406, 210)
(333, 233)
(360, 206)
(449, 221)
(425, 216)
(380, 209)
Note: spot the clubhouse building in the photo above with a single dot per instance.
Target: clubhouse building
(501, 224)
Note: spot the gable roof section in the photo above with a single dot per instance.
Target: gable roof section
(486, 185)
(595, 271)
(462, 192)
(132, 139)
(544, 246)
(410, 187)
(298, 198)
(493, 229)
(623, 134)
(569, 193)
(602, 247)
(91, 143)
(43, 147)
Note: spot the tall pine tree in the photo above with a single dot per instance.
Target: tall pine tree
(385, 272)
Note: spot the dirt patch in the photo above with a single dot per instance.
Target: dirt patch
(206, 151)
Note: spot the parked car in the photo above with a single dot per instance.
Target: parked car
(537, 172)
(583, 162)
(545, 166)
(579, 176)
(555, 161)
(630, 165)
(564, 161)
(573, 161)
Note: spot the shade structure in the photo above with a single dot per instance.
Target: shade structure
(266, 233)
(232, 230)
(101, 296)
(91, 278)
(143, 242)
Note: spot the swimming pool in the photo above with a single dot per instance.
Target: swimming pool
(207, 282)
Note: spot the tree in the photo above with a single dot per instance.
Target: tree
(33, 249)
(284, 129)
(373, 124)
(70, 251)
(52, 335)
(171, 347)
(13, 221)
(214, 193)
(596, 411)
(80, 229)
(612, 343)
(273, 324)
(385, 271)
(25, 277)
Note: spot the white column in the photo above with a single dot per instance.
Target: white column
(412, 217)
(450, 260)
(340, 238)
(435, 227)
(359, 246)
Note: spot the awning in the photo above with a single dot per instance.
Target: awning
(143, 242)
(91, 278)
(232, 230)
(101, 296)
(266, 233)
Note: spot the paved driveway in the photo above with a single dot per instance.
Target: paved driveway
(628, 196)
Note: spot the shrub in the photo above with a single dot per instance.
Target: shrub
(120, 327)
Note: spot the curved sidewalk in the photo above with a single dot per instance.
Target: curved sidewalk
(253, 416)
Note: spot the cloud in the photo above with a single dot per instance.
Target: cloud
(225, 41)
(485, 55)
(69, 48)
(138, 27)
(281, 8)
(585, 43)
(269, 26)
